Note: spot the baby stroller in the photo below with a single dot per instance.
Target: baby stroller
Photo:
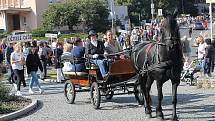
(187, 74)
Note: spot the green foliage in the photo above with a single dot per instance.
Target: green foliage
(143, 7)
(38, 32)
(4, 92)
(62, 36)
(93, 13)
(81, 35)
(3, 34)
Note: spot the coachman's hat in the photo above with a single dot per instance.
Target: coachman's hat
(92, 32)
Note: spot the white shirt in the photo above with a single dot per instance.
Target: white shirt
(25, 52)
(201, 50)
(94, 43)
(66, 57)
(134, 35)
(17, 57)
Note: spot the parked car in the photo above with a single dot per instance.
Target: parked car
(198, 26)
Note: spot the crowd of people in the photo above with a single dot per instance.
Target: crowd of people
(26, 58)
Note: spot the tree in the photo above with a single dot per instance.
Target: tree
(138, 7)
(93, 13)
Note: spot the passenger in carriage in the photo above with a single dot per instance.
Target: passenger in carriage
(112, 46)
(78, 53)
(66, 58)
(95, 50)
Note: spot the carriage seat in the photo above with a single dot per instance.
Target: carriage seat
(121, 67)
(74, 73)
(91, 66)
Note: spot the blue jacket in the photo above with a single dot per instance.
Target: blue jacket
(78, 53)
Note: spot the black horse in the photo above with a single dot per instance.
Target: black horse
(161, 60)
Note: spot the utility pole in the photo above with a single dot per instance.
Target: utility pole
(112, 13)
(211, 20)
(152, 9)
(182, 5)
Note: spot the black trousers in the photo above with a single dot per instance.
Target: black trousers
(44, 65)
(20, 78)
(11, 78)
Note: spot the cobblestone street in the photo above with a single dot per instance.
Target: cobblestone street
(193, 105)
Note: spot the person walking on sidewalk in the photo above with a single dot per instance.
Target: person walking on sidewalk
(58, 65)
(18, 62)
(190, 31)
(208, 60)
(43, 55)
(8, 52)
(32, 63)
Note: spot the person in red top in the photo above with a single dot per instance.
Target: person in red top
(59, 44)
(205, 24)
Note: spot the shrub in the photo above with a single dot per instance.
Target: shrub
(4, 92)
(3, 34)
(38, 33)
(81, 35)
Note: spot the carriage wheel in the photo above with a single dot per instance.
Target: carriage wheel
(109, 95)
(69, 92)
(139, 94)
(95, 95)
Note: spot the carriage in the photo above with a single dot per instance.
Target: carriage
(119, 79)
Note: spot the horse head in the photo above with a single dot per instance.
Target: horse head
(170, 36)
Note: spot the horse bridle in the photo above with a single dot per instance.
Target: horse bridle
(174, 39)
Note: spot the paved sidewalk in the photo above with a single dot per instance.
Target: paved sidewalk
(193, 105)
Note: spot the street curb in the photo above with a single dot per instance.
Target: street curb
(21, 112)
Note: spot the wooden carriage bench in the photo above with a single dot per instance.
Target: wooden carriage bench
(77, 78)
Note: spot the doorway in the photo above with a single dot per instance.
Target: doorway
(16, 22)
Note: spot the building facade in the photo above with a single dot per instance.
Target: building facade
(22, 15)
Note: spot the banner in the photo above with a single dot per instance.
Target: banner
(19, 37)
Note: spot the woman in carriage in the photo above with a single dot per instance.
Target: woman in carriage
(111, 45)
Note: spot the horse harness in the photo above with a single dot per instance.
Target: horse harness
(157, 63)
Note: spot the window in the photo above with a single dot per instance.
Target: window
(24, 20)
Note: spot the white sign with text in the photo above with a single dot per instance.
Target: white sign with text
(20, 37)
(49, 35)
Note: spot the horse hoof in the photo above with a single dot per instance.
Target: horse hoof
(160, 118)
(149, 115)
(159, 115)
(175, 119)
